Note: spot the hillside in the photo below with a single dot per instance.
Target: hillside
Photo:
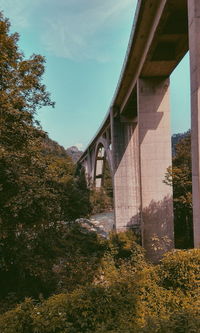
(52, 147)
(74, 153)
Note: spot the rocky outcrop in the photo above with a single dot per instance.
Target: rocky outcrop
(74, 153)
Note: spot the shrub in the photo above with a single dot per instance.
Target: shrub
(80, 258)
(86, 310)
(121, 260)
(100, 201)
(125, 297)
(186, 319)
(181, 270)
(124, 245)
(18, 320)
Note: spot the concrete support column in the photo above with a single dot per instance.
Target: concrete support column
(99, 173)
(194, 45)
(87, 165)
(125, 157)
(155, 158)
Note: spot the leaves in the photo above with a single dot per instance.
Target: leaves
(180, 176)
(141, 298)
(37, 184)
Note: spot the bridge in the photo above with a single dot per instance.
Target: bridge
(135, 136)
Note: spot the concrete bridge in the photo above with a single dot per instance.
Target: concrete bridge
(135, 136)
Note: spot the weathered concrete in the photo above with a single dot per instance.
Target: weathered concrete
(125, 172)
(155, 158)
(99, 167)
(138, 120)
(194, 44)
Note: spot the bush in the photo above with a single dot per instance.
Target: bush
(100, 201)
(18, 320)
(122, 258)
(86, 310)
(128, 295)
(181, 270)
(184, 320)
(80, 259)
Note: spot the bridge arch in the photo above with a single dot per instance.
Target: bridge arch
(139, 121)
(102, 154)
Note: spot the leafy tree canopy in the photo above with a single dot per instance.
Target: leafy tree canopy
(180, 175)
(37, 184)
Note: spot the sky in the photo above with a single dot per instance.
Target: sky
(84, 42)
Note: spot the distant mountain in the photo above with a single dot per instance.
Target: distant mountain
(74, 153)
(53, 148)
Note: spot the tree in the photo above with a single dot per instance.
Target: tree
(102, 199)
(36, 182)
(24, 196)
(180, 175)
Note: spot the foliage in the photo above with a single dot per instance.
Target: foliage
(123, 257)
(137, 301)
(18, 319)
(107, 181)
(186, 319)
(80, 258)
(37, 184)
(100, 201)
(102, 285)
(181, 270)
(180, 175)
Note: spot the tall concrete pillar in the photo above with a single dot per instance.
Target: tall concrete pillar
(194, 45)
(155, 158)
(87, 165)
(125, 158)
(99, 172)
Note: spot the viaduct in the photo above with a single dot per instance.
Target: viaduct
(135, 136)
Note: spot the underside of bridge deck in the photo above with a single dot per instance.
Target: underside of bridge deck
(138, 121)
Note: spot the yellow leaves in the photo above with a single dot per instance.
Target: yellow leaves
(141, 303)
(160, 243)
(181, 269)
(60, 169)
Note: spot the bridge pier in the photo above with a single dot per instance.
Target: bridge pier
(141, 150)
(98, 180)
(125, 158)
(141, 146)
(155, 158)
(194, 46)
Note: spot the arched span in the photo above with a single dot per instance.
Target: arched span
(101, 155)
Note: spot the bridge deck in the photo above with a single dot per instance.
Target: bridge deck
(158, 42)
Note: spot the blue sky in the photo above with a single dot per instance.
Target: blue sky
(84, 42)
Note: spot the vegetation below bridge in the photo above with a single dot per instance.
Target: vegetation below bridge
(56, 275)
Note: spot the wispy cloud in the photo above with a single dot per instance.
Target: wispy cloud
(73, 29)
(18, 11)
(79, 146)
(81, 29)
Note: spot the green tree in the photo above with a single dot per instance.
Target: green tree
(180, 175)
(107, 181)
(37, 186)
(24, 195)
(102, 199)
